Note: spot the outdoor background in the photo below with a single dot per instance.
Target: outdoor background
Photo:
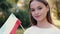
(20, 8)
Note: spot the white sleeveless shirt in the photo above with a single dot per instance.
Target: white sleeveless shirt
(37, 30)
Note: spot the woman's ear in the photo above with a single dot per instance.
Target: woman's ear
(48, 8)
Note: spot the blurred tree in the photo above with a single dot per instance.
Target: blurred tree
(55, 7)
(4, 8)
(23, 15)
(58, 8)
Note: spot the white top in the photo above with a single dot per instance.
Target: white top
(37, 30)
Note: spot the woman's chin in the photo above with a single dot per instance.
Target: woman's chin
(38, 19)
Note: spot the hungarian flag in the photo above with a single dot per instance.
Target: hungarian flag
(11, 25)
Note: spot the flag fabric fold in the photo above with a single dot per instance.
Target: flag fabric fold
(11, 25)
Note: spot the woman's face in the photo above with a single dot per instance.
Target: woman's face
(38, 10)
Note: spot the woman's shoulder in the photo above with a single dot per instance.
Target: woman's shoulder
(55, 27)
(30, 29)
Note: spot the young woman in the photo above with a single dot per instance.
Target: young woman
(40, 19)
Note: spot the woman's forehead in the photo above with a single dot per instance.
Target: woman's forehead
(36, 3)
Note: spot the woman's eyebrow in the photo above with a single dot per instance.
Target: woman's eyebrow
(31, 8)
(39, 7)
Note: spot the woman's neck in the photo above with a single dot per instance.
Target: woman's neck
(43, 24)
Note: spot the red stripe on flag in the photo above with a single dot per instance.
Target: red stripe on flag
(18, 22)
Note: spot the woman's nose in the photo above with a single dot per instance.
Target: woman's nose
(36, 12)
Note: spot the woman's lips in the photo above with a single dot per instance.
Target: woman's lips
(37, 16)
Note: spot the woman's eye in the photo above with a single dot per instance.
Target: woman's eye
(32, 9)
(39, 8)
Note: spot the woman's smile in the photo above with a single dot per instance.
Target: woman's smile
(38, 16)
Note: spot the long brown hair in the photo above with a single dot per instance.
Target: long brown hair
(48, 16)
